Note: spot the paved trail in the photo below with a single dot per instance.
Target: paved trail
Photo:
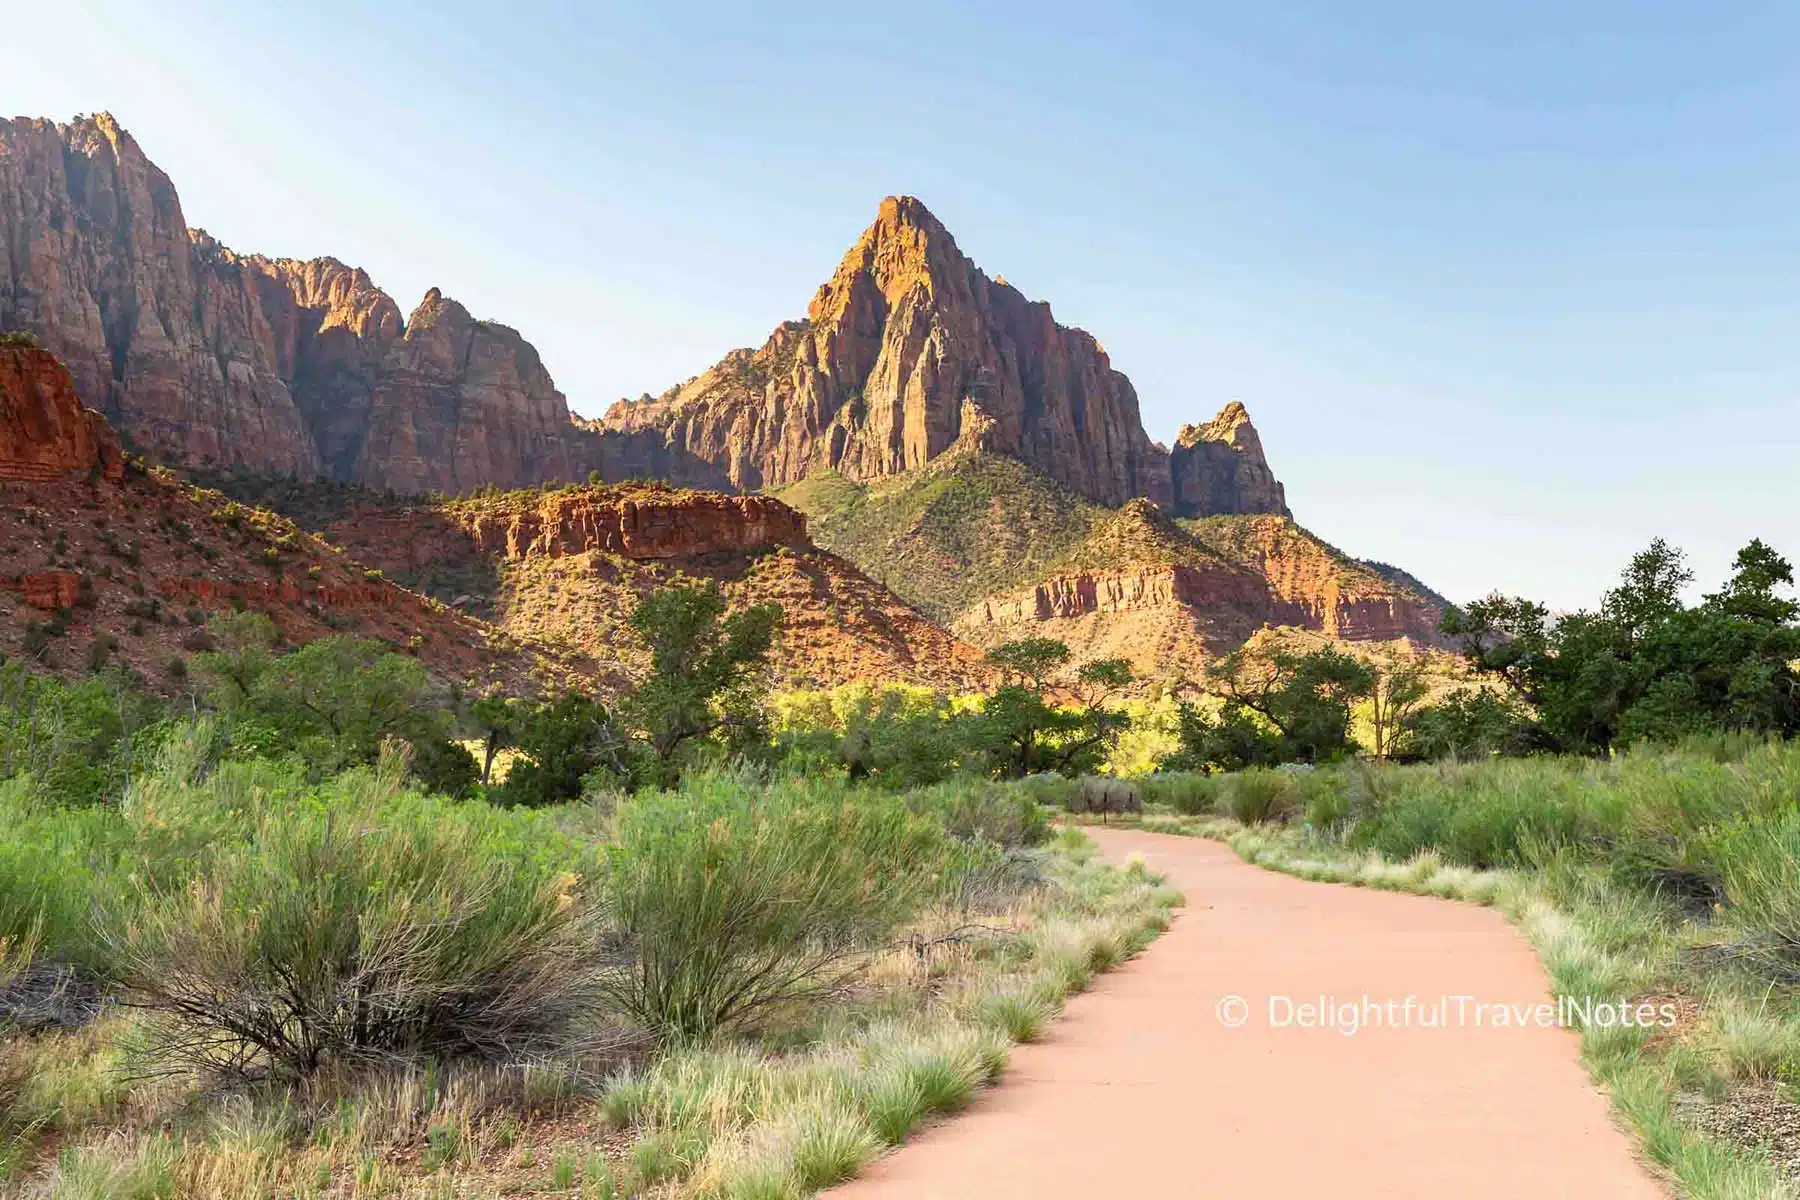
(1140, 1091)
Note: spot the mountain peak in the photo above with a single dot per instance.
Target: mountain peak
(907, 212)
(1231, 426)
(1219, 467)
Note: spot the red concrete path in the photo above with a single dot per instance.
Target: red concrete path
(1139, 1090)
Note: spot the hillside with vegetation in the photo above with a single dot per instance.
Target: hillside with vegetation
(949, 533)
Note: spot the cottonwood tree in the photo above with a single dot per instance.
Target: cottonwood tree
(1645, 665)
(704, 669)
(1395, 694)
(1025, 727)
(1274, 706)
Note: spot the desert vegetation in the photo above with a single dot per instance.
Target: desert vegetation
(295, 935)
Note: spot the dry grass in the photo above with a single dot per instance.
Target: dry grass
(820, 1090)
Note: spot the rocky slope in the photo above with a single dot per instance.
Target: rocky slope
(1168, 595)
(567, 565)
(104, 563)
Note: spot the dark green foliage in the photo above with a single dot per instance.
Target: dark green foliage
(703, 675)
(1024, 731)
(562, 743)
(19, 339)
(1645, 666)
(496, 718)
(333, 701)
(1468, 724)
(1188, 793)
(1030, 661)
(1233, 740)
(75, 743)
(443, 767)
(1277, 707)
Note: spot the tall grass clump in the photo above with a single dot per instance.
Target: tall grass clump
(721, 904)
(367, 926)
(980, 811)
(1758, 865)
(1258, 794)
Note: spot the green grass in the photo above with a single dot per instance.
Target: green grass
(348, 956)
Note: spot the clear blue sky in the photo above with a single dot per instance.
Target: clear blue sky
(1509, 289)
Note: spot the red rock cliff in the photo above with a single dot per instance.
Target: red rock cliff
(635, 523)
(45, 433)
(204, 356)
(907, 349)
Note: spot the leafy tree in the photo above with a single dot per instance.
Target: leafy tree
(443, 767)
(1025, 731)
(1395, 693)
(1305, 697)
(1468, 724)
(704, 667)
(899, 741)
(1030, 662)
(1232, 740)
(562, 743)
(1645, 665)
(496, 718)
(334, 700)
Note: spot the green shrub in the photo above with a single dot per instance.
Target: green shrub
(980, 810)
(1505, 813)
(1187, 792)
(1326, 795)
(1049, 787)
(367, 926)
(19, 339)
(1258, 794)
(722, 903)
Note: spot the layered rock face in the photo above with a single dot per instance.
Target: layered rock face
(1169, 594)
(208, 357)
(907, 351)
(1219, 468)
(45, 433)
(643, 523)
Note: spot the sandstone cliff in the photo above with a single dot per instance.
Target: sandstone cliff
(45, 433)
(908, 350)
(96, 259)
(1219, 468)
(1169, 594)
(206, 357)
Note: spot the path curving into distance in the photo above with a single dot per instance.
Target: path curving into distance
(1140, 1090)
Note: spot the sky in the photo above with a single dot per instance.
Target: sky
(1509, 290)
